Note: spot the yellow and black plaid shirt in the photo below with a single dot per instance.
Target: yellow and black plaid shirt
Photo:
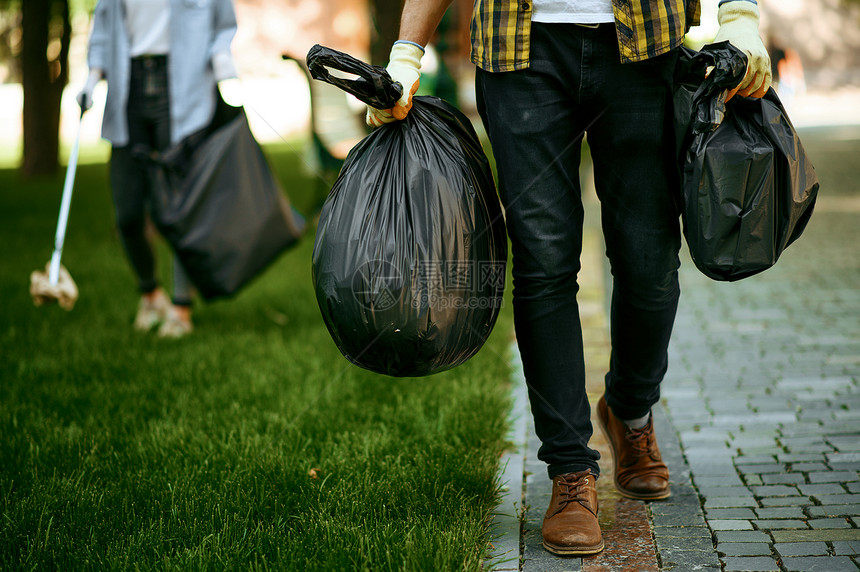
(645, 28)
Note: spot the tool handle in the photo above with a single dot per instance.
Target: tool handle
(60, 236)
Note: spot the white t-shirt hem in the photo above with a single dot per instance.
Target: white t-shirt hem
(573, 18)
(572, 11)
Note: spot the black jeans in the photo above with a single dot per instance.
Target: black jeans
(148, 127)
(535, 119)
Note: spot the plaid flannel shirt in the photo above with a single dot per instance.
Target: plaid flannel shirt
(645, 29)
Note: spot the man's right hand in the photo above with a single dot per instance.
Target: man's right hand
(404, 67)
(85, 96)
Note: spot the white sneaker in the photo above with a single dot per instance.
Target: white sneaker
(150, 313)
(173, 326)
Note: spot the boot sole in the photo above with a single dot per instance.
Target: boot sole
(571, 551)
(624, 492)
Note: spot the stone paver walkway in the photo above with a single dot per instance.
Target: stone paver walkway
(763, 388)
(760, 417)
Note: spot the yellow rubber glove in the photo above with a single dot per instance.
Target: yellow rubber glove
(404, 65)
(739, 25)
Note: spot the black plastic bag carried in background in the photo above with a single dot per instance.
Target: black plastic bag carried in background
(410, 251)
(748, 188)
(220, 207)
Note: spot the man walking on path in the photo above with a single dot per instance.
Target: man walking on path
(549, 71)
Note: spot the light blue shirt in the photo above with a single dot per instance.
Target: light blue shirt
(198, 30)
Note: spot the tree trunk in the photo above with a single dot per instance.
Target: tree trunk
(43, 79)
(385, 15)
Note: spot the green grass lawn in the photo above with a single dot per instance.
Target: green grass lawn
(251, 444)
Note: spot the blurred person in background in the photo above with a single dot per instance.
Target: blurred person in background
(787, 69)
(548, 72)
(162, 60)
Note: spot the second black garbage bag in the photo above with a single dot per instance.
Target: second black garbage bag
(219, 205)
(410, 251)
(748, 186)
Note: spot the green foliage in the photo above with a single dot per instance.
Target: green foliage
(251, 444)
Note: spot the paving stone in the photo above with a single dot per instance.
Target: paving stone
(801, 457)
(718, 524)
(819, 564)
(730, 513)
(770, 450)
(845, 442)
(685, 560)
(755, 459)
(755, 443)
(823, 489)
(827, 523)
(808, 467)
(818, 384)
(815, 535)
(786, 501)
(852, 467)
(783, 478)
(715, 469)
(729, 480)
(682, 531)
(837, 510)
(774, 491)
(739, 491)
(842, 459)
(687, 519)
(849, 547)
(672, 543)
(714, 453)
(682, 490)
(779, 524)
(853, 487)
(678, 511)
(839, 499)
(744, 548)
(730, 502)
(802, 428)
(816, 447)
(831, 476)
(762, 468)
(801, 548)
(742, 536)
(780, 512)
(696, 444)
(753, 480)
(751, 563)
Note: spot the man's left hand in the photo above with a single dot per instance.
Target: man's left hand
(739, 25)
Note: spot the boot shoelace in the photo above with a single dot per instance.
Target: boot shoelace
(574, 489)
(642, 440)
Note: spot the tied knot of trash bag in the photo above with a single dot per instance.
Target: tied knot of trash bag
(372, 84)
(716, 69)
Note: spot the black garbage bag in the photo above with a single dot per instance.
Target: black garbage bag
(748, 188)
(410, 251)
(220, 207)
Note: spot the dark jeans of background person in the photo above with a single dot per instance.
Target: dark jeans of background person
(535, 119)
(149, 126)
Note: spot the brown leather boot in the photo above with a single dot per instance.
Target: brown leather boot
(640, 472)
(570, 525)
